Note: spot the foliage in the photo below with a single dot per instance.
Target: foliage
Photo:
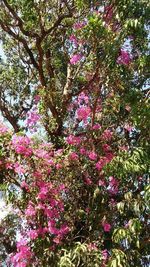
(74, 159)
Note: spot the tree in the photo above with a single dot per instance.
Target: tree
(76, 74)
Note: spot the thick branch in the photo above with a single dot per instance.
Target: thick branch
(69, 81)
(57, 23)
(20, 22)
(12, 119)
(22, 40)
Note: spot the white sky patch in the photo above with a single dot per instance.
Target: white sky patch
(4, 209)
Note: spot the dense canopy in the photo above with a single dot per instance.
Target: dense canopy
(74, 133)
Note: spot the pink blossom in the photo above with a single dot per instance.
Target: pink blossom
(25, 185)
(107, 135)
(3, 128)
(83, 151)
(106, 148)
(128, 127)
(101, 182)
(92, 246)
(33, 234)
(101, 163)
(83, 113)
(64, 229)
(124, 58)
(58, 166)
(73, 156)
(83, 98)
(37, 174)
(104, 254)
(41, 153)
(73, 39)
(21, 145)
(108, 11)
(30, 211)
(79, 25)
(36, 99)
(73, 140)
(9, 166)
(57, 239)
(43, 192)
(51, 227)
(92, 155)
(19, 168)
(88, 181)
(23, 256)
(75, 59)
(96, 126)
(106, 226)
(32, 118)
(113, 185)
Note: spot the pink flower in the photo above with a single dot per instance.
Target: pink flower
(33, 234)
(73, 156)
(43, 192)
(101, 163)
(36, 99)
(73, 140)
(106, 226)
(124, 58)
(107, 135)
(108, 11)
(128, 127)
(58, 166)
(3, 128)
(83, 113)
(23, 256)
(73, 39)
(57, 239)
(75, 59)
(83, 98)
(41, 153)
(32, 118)
(92, 246)
(88, 181)
(79, 25)
(30, 211)
(21, 145)
(19, 168)
(106, 148)
(83, 151)
(104, 254)
(25, 185)
(96, 126)
(101, 183)
(113, 185)
(92, 155)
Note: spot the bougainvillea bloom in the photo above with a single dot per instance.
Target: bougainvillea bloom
(83, 113)
(124, 58)
(106, 226)
(75, 59)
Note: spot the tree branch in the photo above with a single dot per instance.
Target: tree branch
(20, 22)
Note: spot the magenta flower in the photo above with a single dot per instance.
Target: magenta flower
(92, 155)
(79, 25)
(124, 58)
(33, 234)
(106, 226)
(104, 254)
(75, 59)
(83, 113)
(21, 145)
(73, 39)
(73, 156)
